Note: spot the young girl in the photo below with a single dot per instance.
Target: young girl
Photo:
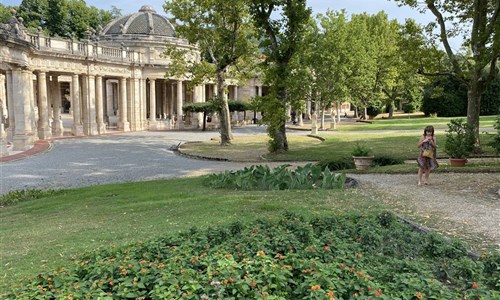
(425, 163)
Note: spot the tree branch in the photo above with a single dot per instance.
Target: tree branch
(444, 36)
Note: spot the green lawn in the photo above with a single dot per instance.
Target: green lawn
(42, 234)
(439, 123)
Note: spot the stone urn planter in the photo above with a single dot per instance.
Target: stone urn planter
(361, 154)
(362, 162)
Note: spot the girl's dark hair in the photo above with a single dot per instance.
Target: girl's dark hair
(429, 129)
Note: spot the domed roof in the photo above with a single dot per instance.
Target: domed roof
(144, 22)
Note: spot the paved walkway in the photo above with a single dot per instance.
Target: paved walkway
(114, 158)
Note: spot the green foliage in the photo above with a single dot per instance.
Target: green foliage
(459, 139)
(281, 26)
(65, 18)
(337, 164)
(15, 197)
(361, 149)
(280, 178)
(490, 104)
(282, 257)
(373, 110)
(446, 97)
(387, 161)
(495, 142)
(5, 13)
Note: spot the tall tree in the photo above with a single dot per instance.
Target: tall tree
(281, 24)
(5, 13)
(224, 33)
(34, 13)
(479, 22)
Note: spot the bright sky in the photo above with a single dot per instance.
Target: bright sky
(318, 6)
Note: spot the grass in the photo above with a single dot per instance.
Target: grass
(42, 234)
(401, 145)
(418, 123)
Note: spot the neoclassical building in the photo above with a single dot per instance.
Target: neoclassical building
(115, 79)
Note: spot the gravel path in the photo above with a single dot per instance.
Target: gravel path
(454, 204)
(457, 204)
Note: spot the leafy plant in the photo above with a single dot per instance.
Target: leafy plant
(495, 142)
(361, 149)
(459, 139)
(15, 197)
(387, 161)
(337, 164)
(344, 256)
(280, 178)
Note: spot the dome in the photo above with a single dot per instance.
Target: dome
(144, 22)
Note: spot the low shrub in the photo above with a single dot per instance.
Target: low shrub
(280, 178)
(15, 197)
(337, 165)
(286, 257)
(387, 161)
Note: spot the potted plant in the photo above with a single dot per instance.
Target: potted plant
(362, 156)
(459, 141)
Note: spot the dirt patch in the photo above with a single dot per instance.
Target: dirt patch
(460, 205)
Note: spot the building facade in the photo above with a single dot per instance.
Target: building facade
(115, 79)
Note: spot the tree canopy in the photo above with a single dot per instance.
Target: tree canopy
(225, 36)
(65, 18)
(281, 25)
(478, 22)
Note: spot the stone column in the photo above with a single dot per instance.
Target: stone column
(76, 105)
(152, 104)
(57, 124)
(123, 123)
(22, 109)
(135, 104)
(3, 103)
(44, 131)
(170, 105)
(99, 105)
(144, 106)
(180, 100)
(10, 105)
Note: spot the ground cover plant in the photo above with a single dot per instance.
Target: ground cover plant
(286, 256)
(44, 233)
(263, 178)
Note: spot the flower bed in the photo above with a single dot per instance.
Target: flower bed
(285, 257)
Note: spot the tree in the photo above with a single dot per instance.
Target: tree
(363, 82)
(223, 32)
(281, 24)
(479, 22)
(329, 58)
(66, 18)
(5, 13)
(34, 13)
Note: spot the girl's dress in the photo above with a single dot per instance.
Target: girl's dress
(426, 163)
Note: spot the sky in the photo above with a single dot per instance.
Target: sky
(318, 6)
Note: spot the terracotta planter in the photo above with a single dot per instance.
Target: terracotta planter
(362, 162)
(457, 162)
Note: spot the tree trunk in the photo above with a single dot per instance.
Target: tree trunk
(391, 109)
(474, 92)
(280, 139)
(226, 135)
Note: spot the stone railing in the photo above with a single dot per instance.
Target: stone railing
(89, 49)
